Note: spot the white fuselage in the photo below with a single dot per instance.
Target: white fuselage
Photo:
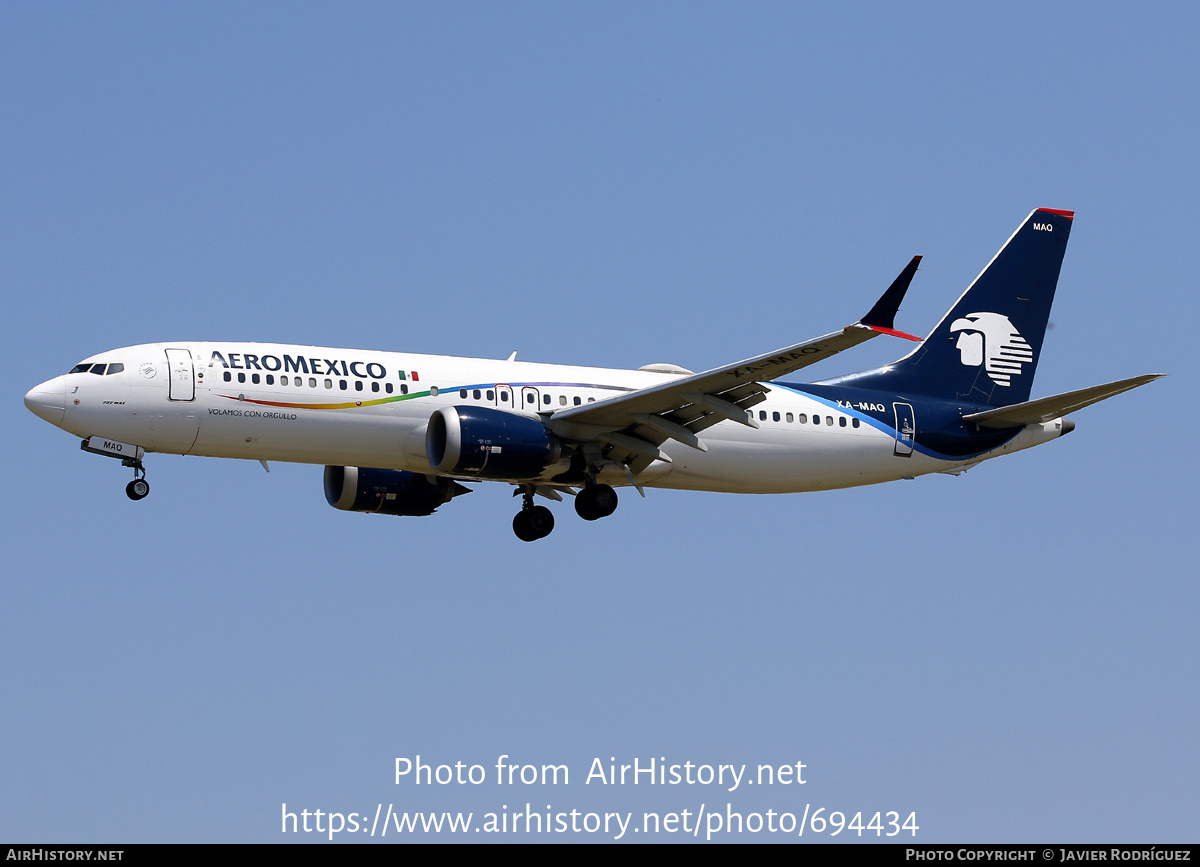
(276, 402)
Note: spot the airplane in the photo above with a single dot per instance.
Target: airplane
(400, 433)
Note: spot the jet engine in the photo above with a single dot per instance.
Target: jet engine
(387, 492)
(489, 443)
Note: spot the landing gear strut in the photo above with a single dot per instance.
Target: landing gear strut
(532, 522)
(139, 487)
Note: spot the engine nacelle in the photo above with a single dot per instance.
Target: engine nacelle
(387, 492)
(489, 443)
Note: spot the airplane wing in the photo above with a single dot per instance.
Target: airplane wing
(1047, 408)
(633, 425)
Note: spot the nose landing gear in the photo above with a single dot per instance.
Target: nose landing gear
(139, 488)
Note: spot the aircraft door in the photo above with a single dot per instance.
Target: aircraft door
(181, 375)
(529, 399)
(906, 429)
(504, 396)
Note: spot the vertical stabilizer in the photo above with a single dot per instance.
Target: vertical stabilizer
(986, 348)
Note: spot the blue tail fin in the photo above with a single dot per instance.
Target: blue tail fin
(986, 349)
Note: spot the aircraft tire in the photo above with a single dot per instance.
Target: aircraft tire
(541, 521)
(596, 502)
(138, 489)
(523, 527)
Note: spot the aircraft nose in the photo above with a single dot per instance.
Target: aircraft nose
(48, 401)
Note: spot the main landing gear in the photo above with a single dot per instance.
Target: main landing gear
(139, 487)
(536, 522)
(532, 522)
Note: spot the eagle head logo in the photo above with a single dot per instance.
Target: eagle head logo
(991, 340)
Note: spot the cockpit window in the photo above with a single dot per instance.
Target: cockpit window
(81, 368)
(116, 367)
(97, 369)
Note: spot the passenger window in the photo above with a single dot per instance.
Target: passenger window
(774, 416)
(115, 368)
(254, 378)
(802, 418)
(404, 388)
(98, 369)
(388, 388)
(491, 395)
(329, 383)
(241, 377)
(342, 384)
(762, 415)
(433, 390)
(312, 382)
(462, 392)
(854, 422)
(375, 387)
(545, 398)
(504, 396)
(562, 400)
(789, 418)
(578, 401)
(591, 400)
(358, 385)
(841, 421)
(475, 394)
(270, 379)
(228, 376)
(829, 420)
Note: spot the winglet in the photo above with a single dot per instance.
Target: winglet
(882, 317)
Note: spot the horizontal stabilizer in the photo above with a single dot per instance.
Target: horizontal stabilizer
(1046, 408)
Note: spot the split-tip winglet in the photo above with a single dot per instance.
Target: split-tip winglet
(882, 317)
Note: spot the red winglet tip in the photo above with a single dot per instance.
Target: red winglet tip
(895, 333)
(1070, 215)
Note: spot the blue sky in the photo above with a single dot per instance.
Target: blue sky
(1011, 654)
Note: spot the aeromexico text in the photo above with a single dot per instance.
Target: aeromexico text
(299, 364)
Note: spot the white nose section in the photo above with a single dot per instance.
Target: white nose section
(48, 401)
